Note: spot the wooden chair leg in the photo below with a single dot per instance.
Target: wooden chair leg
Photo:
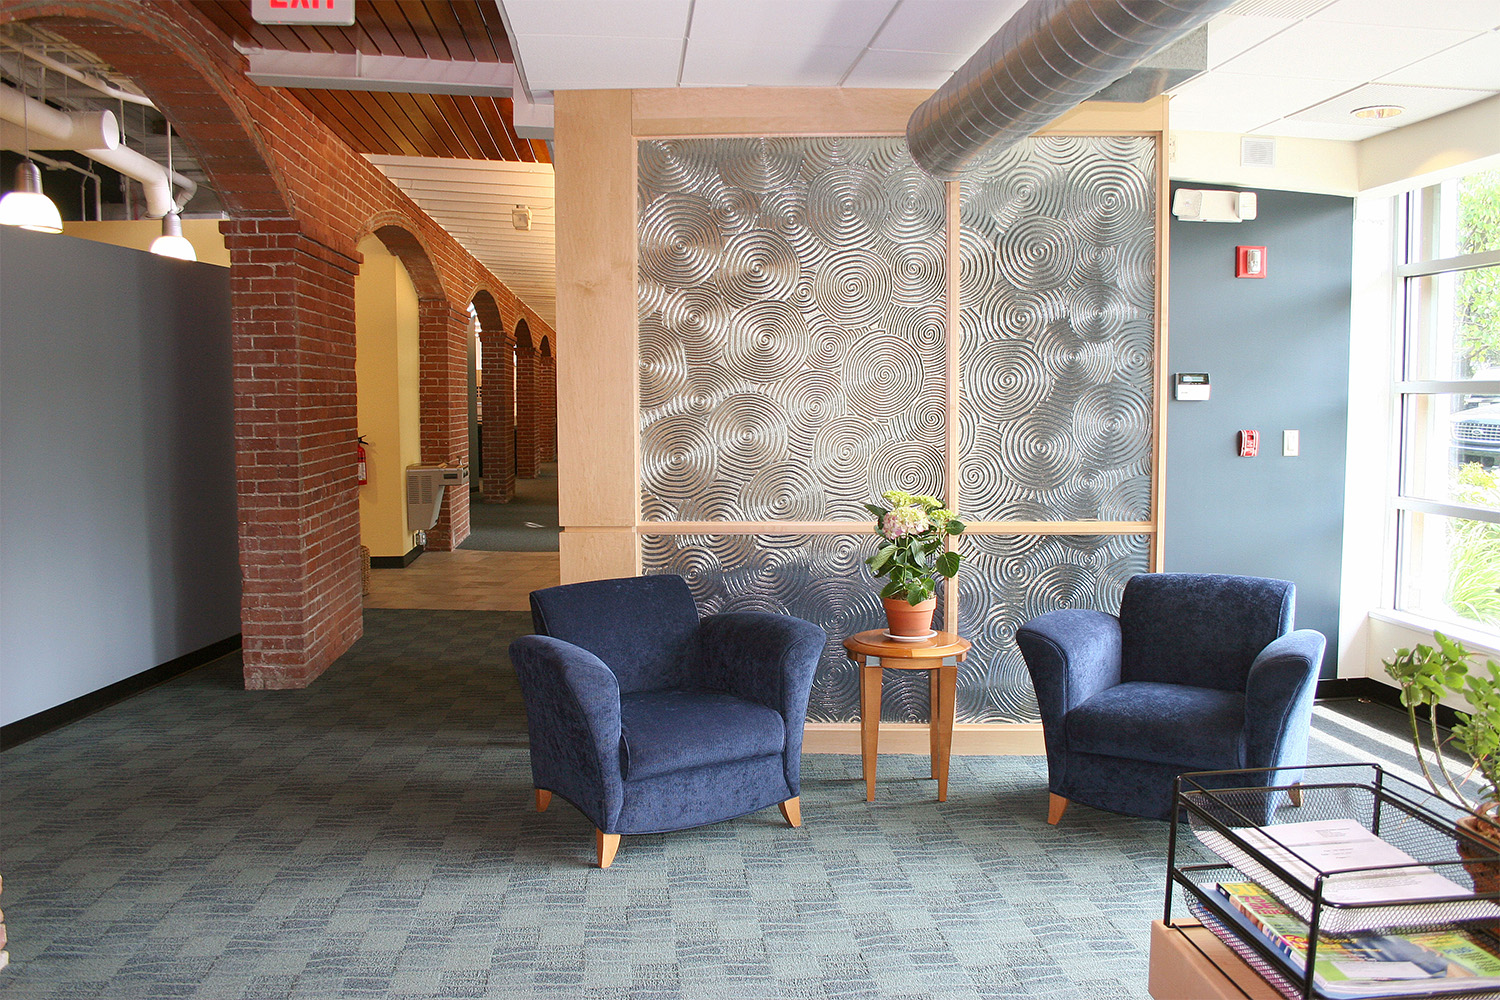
(1056, 805)
(792, 810)
(605, 846)
(1294, 793)
(543, 800)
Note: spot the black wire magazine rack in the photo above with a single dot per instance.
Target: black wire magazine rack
(1339, 881)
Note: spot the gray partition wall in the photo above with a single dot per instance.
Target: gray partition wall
(118, 548)
(1277, 352)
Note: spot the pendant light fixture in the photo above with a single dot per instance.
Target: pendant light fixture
(27, 206)
(171, 242)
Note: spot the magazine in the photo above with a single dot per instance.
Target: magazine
(1400, 892)
(1367, 965)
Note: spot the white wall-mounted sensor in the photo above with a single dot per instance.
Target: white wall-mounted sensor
(1193, 205)
(1191, 385)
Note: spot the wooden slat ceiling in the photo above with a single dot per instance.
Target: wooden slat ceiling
(402, 124)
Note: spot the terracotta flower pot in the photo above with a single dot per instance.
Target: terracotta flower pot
(908, 619)
(1483, 865)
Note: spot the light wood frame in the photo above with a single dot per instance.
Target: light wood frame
(598, 386)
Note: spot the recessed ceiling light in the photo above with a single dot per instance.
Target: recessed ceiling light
(1376, 112)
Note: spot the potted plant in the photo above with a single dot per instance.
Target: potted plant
(1426, 674)
(913, 530)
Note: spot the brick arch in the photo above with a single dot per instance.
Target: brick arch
(546, 391)
(497, 400)
(488, 310)
(299, 200)
(400, 238)
(442, 345)
(182, 72)
(528, 403)
(524, 343)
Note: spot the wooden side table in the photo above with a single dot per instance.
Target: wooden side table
(940, 655)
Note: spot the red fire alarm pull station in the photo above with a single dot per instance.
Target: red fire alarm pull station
(1249, 444)
(1249, 262)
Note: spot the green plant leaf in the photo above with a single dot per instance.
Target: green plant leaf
(947, 564)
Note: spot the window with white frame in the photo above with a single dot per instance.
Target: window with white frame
(1448, 397)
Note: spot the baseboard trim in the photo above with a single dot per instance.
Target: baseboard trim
(1369, 689)
(970, 739)
(29, 728)
(396, 562)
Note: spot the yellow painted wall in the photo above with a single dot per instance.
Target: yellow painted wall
(203, 234)
(387, 366)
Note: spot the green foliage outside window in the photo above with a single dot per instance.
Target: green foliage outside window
(1474, 549)
(1477, 311)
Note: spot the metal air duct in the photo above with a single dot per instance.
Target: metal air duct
(1051, 56)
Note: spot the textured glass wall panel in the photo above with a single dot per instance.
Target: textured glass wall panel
(1007, 580)
(791, 313)
(820, 578)
(1057, 294)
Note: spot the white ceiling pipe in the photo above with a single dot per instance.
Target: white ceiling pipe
(151, 175)
(95, 135)
(60, 129)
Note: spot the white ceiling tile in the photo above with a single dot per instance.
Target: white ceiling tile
(578, 62)
(914, 70)
(1218, 120)
(1292, 129)
(1333, 50)
(955, 26)
(1469, 15)
(788, 23)
(1475, 63)
(716, 65)
(1231, 34)
(637, 19)
(1294, 9)
(1246, 100)
(1419, 102)
(1211, 121)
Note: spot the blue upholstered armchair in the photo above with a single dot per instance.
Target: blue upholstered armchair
(649, 720)
(1198, 673)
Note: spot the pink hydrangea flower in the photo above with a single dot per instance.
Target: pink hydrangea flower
(903, 521)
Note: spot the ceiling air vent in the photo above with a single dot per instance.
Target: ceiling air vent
(1257, 151)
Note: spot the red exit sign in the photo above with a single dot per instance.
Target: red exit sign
(303, 11)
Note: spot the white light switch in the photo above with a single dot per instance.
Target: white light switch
(1291, 443)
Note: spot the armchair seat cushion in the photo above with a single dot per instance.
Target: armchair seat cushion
(677, 730)
(1194, 728)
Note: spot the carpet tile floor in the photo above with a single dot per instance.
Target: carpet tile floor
(374, 836)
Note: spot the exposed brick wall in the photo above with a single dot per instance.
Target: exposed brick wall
(444, 335)
(294, 399)
(547, 410)
(528, 411)
(499, 364)
(300, 202)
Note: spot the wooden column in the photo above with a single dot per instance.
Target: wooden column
(597, 384)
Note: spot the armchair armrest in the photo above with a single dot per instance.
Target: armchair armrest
(573, 717)
(1072, 655)
(1278, 700)
(765, 658)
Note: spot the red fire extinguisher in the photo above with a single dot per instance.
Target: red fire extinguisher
(359, 458)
